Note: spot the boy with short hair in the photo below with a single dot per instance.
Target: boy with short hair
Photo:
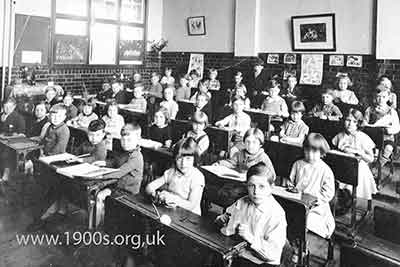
(118, 93)
(96, 146)
(156, 87)
(327, 110)
(72, 111)
(258, 218)
(56, 138)
(138, 102)
(130, 165)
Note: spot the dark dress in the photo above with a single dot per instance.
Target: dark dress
(256, 85)
(160, 134)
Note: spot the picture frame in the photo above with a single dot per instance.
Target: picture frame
(273, 59)
(196, 25)
(336, 60)
(354, 61)
(289, 58)
(313, 32)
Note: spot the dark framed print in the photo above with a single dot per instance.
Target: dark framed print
(196, 25)
(314, 33)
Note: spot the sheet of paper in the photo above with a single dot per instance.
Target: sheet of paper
(32, 57)
(226, 173)
(84, 170)
(282, 192)
(58, 157)
(311, 69)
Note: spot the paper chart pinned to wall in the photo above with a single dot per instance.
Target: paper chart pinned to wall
(196, 63)
(311, 69)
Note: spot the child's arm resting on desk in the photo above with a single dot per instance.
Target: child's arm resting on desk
(268, 246)
(133, 167)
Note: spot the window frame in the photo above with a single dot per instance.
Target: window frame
(91, 20)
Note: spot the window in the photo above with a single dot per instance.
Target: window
(98, 31)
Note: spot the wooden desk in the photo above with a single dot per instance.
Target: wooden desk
(296, 209)
(259, 119)
(135, 116)
(81, 192)
(327, 128)
(344, 166)
(369, 250)
(220, 139)
(179, 128)
(185, 109)
(133, 214)
(22, 147)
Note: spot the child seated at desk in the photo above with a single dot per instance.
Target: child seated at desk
(238, 81)
(169, 102)
(114, 121)
(241, 92)
(156, 89)
(96, 147)
(383, 115)
(203, 89)
(160, 130)
(259, 219)
(41, 119)
(130, 165)
(202, 104)
(385, 81)
(51, 96)
(194, 78)
(355, 142)
(168, 80)
(327, 110)
(213, 83)
(313, 176)
(86, 116)
(274, 104)
(105, 92)
(118, 93)
(138, 102)
(199, 124)
(294, 130)
(343, 94)
(238, 121)
(183, 184)
(55, 141)
(292, 91)
(183, 92)
(72, 111)
(11, 123)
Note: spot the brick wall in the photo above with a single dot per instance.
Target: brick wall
(363, 78)
(72, 77)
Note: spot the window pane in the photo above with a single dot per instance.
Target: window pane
(105, 9)
(71, 27)
(132, 11)
(71, 49)
(131, 45)
(103, 43)
(72, 7)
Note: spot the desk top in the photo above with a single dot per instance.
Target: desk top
(200, 228)
(19, 143)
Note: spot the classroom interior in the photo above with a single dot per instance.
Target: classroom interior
(77, 46)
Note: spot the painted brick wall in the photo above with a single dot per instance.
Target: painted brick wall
(72, 77)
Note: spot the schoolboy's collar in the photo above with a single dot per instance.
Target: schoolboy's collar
(57, 126)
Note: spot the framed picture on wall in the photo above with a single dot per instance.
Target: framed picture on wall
(196, 25)
(273, 59)
(314, 33)
(354, 61)
(289, 58)
(336, 60)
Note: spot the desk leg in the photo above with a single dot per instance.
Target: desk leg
(91, 206)
(353, 209)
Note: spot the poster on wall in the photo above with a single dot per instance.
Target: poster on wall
(196, 63)
(273, 59)
(354, 61)
(289, 59)
(336, 60)
(311, 69)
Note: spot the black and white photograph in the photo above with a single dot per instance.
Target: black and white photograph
(187, 133)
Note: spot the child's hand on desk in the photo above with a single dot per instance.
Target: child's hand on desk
(168, 143)
(169, 198)
(222, 219)
(244, 232)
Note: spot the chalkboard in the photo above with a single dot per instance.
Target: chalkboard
(31, 34)
(70, 49)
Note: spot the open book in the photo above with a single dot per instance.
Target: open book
(85, 170)
(58, 157)
(226, 173)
